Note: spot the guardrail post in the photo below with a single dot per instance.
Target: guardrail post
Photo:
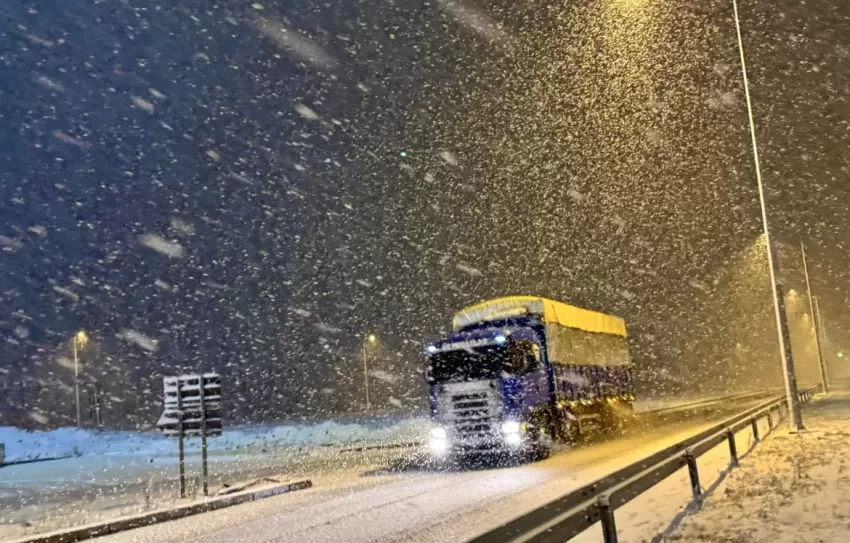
(769, 420)
(755, 430)
(733, 448)
(606, 517)
(693, 471)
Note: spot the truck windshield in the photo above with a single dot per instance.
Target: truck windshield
(490, 362)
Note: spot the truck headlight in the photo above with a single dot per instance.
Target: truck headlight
(511, 427)
(513, 439)
(438, 434)
(438, 443)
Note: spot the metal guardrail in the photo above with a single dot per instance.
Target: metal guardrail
(710, 402)
(570, 515)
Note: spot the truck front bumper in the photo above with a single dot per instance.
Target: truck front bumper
(444, 444)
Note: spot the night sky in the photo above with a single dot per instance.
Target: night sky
(254, 187)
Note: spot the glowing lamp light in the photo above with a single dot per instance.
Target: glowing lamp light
(511, 427)
(80, 339)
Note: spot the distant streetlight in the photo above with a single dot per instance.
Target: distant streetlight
(79, 342)
(370, 340)
(796, 417)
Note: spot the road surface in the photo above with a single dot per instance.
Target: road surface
(52, 495)
(413, 505)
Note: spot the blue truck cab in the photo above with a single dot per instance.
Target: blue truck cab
(522, 372)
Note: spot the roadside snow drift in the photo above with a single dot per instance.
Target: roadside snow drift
(29, 445)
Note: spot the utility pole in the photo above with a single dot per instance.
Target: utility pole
(369, 339)
(784, 335)
(815, 320)
(821, 333)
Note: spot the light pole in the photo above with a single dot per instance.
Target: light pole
(79, 341)
(816, 322)
(369, 339)
(820, 332)
(796, 417)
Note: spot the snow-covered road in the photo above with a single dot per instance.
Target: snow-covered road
(386, 505)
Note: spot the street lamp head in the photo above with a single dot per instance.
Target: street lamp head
(81, 338)
(371, 338)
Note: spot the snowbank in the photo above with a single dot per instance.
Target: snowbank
(28, 445)
(792, 487)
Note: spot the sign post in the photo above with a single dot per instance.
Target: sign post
(180, 450)
(192, 409)
(204, 472)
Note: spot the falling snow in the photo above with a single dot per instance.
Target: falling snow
(50, 83)
(161, 245)
(300, 312)
(143, 104)
(182, 226)
(68, 293)
(306, 112)
(469, 270)
(449, 158)
(145, 342)
(10, 244)
(71, 140)
(258, 188)
(296, 44)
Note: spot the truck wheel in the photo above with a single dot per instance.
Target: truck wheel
(575, 432)
(540, 452)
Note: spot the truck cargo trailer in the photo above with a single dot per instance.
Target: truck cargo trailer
(520, 373)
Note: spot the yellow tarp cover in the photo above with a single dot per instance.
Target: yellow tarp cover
(550, 310)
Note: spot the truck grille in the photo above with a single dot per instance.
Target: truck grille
(472, 410)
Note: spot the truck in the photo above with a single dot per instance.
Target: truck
(520, 373)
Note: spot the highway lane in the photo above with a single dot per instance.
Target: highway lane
(416, 505)
(53, 495)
